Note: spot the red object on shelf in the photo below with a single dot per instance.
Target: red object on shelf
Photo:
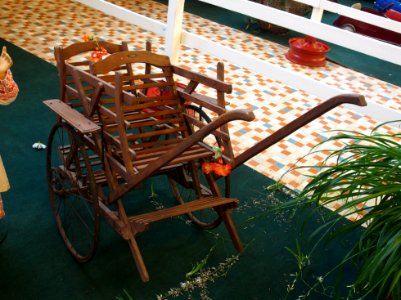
(307, 51)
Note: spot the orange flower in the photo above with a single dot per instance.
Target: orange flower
(98, 54)
(222, 170)
(99, 51)
(85, 37)
(208, 167)
(153, 92)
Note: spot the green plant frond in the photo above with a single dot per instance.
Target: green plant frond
(323, 232)
(382, 261)
(349, 196)
(394, 286)
(363, 174)
(125, 294)
(390, 243)
(361, 155)
(357, 137)
(327, 233)
(341, 181)
(384, 281)
(374, 144)
(346, 229)
(384, 124)
(381, 264)
(196, 268)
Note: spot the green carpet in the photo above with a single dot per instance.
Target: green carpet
(351, 59)
(34, 263)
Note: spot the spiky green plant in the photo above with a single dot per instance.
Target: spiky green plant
(365, 175)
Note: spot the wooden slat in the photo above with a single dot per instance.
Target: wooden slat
(146, 134)
(161, 143)
(100, 177)
(208, 81)
(156, 114)
(152, 122)
(146, 76)
(151, 84)
(157, 152)
(150, 104)
(203, 100)
(195, 205)
(189, 155)
(80, 63)
(141, 98)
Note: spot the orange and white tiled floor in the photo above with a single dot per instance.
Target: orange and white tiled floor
(38, 25)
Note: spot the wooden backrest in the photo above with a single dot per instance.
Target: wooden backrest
(78, 54)
(146, 115)
(187, 90)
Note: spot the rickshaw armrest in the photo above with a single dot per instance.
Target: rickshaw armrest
(72, 116)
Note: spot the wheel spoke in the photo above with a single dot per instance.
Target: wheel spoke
(73, 192)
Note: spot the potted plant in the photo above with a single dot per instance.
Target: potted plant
(365, 176)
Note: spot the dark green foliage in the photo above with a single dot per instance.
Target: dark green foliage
(367, 168)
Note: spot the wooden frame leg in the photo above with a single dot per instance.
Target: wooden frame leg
(140, 265)
(232, 231)
(136, 253)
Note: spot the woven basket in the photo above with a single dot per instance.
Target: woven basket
(290, 6)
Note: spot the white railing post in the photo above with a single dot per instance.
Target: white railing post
(175, 16)
(317, 13)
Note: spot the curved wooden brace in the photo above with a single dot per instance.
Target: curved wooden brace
(129, 57)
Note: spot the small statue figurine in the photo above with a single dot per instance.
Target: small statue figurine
(4, 186)
(8, 88)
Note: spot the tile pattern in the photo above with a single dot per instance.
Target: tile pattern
(38, 25)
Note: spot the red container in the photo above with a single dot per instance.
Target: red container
(307, 51)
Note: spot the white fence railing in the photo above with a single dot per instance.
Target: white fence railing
(175, 36)
(322, 31)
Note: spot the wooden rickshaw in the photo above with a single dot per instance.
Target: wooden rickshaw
(119, 136)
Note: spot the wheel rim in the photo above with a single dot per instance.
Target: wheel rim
(185, 190)
(72, 192)
(349, 27)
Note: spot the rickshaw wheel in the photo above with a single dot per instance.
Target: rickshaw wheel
(72, 191)
(185, 190)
